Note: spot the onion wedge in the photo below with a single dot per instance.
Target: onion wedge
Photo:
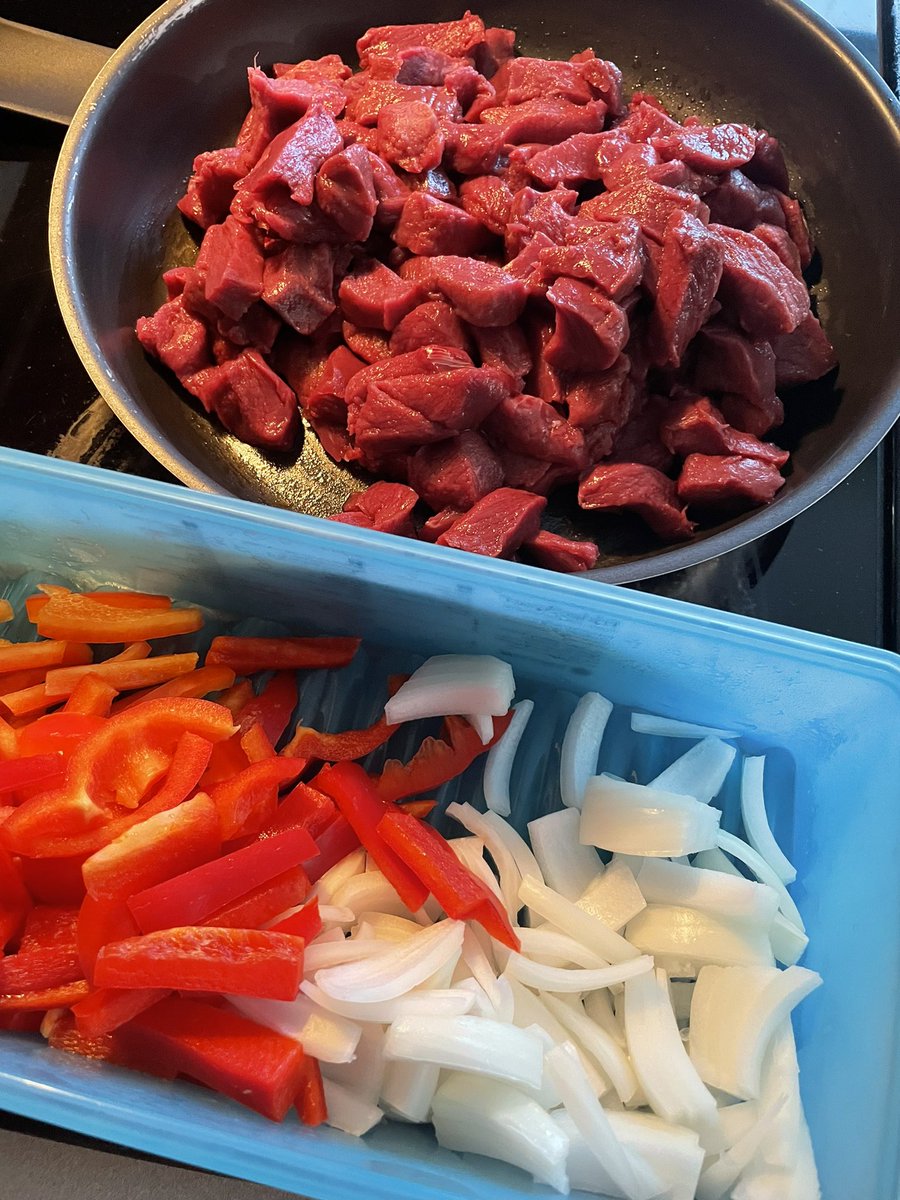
(566, 865)
(756, 823)
(469, 1043)
(397, 969)
(499, 762)
(581, 746)
(700, 772)
(633, 819)
(453, 684)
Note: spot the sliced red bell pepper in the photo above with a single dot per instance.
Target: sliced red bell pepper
(202, 681)
(122, 675)
(6, 611)
(54, 881)
(339, 747)
(164, 845)
(63, 996)
(46, 769)
(272, 708)
(58, 733)
(354, 793)
(239, 962)
(310, 1099)
(190, 898)
(63, 1034)
(256, 745)
(455, 888)
(90, 697)
(107, 1008)
(35, 604)
(42, 967)
(9, 740)
(334, 843)
(83, 618)
(99, 922)
(23, 656)
(246, 655)
(417, 808)
(437, 761)
(14, 899)
(264, 903)
(26, 1021)
(248, 800)
(303, 806)
(220, 1048)
(306, 923)
(49, 925)
(113, 769)
(237, 696)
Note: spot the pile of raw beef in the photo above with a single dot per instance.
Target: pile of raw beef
(481, 277)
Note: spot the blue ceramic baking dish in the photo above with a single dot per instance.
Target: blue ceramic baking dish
(830, 709)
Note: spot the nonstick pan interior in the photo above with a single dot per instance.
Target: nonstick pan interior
(178, 87)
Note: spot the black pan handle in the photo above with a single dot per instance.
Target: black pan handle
(45, 74)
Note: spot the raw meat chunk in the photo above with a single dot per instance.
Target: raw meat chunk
(503, 346)
(613, 258)
(232, 261)
(581, 158)
(709, 147)
(409, 135)
(345, 192)
(545, 121)
(177, 337)
(590, 329)
(453, 38)
(430, 226)
(728, 481)
(376, 297)
(481, 293)
(640, 489)
(650, 203)
(695, 426)
(433, 323)
(457, 473)
(727, 361)
(497, 525)
(765, 297)
(387, 507)
(298, 283)
(558, 553)
(803, 355)
(250, 400)
(690, 268)
(210, 188)
(530, 426)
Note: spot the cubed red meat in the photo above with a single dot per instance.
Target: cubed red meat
(496, 49)
(497, 525)
(298, 283)
(481, 293)
(457, 473)
(410, 136)
(546, 120)
(323, 398)
(177, 337)
(558, 553)
(690, 268)
(387, 507)
(613, 258)
(376, 95)
(315, 70)
(472, 149)
(531, 213)
(581, 158)
(601, 404)
(433, 323)
(590, 329)
(371, 345)
(647, 118)
(250, 400)
(489, 200)
(803, 355)
(232, 262)
(528, 425)
(737, 201)
(779, 240)
(503, 346)
(727, 481)
(796, 227)
(535, 78)
(432, 528)
(374, 296)
(528, 474)
(453, 38)
(709, 147)
(727, 361)
(277, 103)
(429, 226)
(632, 164)
(767, 166)
(752, 416)
(640, 489)
(639, 440)
(757, 288)
(210, 189)
(292, 159)
(345, 191)
(427, 361)
(604, 78)
(695, 426)
(650, 203)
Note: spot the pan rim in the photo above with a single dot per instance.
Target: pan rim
(740, 533)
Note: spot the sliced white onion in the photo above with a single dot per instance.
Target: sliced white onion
(763, 872)
(575, 921)
(530, 1012)
(581, 746)
(473, 1114)
(700, 772)
(627, 1171)
(756, 823)
(522, 854)
(715, 860)
(669, 727)
(613, 897)
(325, 1035)
(326, 887)
(319, 954)
(510, 876)
(721, 1175)
(408, 1089)
(728, 897)
(370, 890)
(574, 979)
(598, 1006)
(362, 1076)
(595, 1041)
(348, 1112)
(468, 1043)
(566, 865)
(684, 939)
(669, 1078)
(734, 1013)
(470, 852)
(334, 915)
(788, 942)
(483, 724)
(447, 1002)
(329, 937)
(476, 958)
(397, 969)
(553, 948)
(386, 927)
(453, 684)
(633, 819)
(499, 762)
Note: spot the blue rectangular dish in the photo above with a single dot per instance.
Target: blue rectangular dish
(832, 709)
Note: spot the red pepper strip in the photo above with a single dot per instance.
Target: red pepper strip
(272, 708)
(113, 768)
(27, 701)
(49, 925)
(9, 741)
(106, 1009)
(303, 807)
(238, 696)
(17, 681)
(133, 652)
(305, 923)
(59, 733)
(239, 962)
(22, 656)
(247, 801)
(455, 888)
(417, 808)
(339, 747)
(190, 898)
(37, 768)
(334, 843)
(91, 696)
(55, 997)
(245, 655)
(354, 793)
(6, 611)
(437, 761)
(164, 845)
(227, 760)
(34, 604)
(44, 967)
(81, 618)
(220, 1048)
(64, 1035)
(310, 1099)
(264, 903)
(256, 745)
(54, 880)
(202, 681)
(99, 922)
(14, 900)
(123, 674)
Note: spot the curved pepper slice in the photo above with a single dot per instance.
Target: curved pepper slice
(437, 761)
(80, 618)
(245, 655)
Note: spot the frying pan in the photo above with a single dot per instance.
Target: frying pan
(178, 86)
